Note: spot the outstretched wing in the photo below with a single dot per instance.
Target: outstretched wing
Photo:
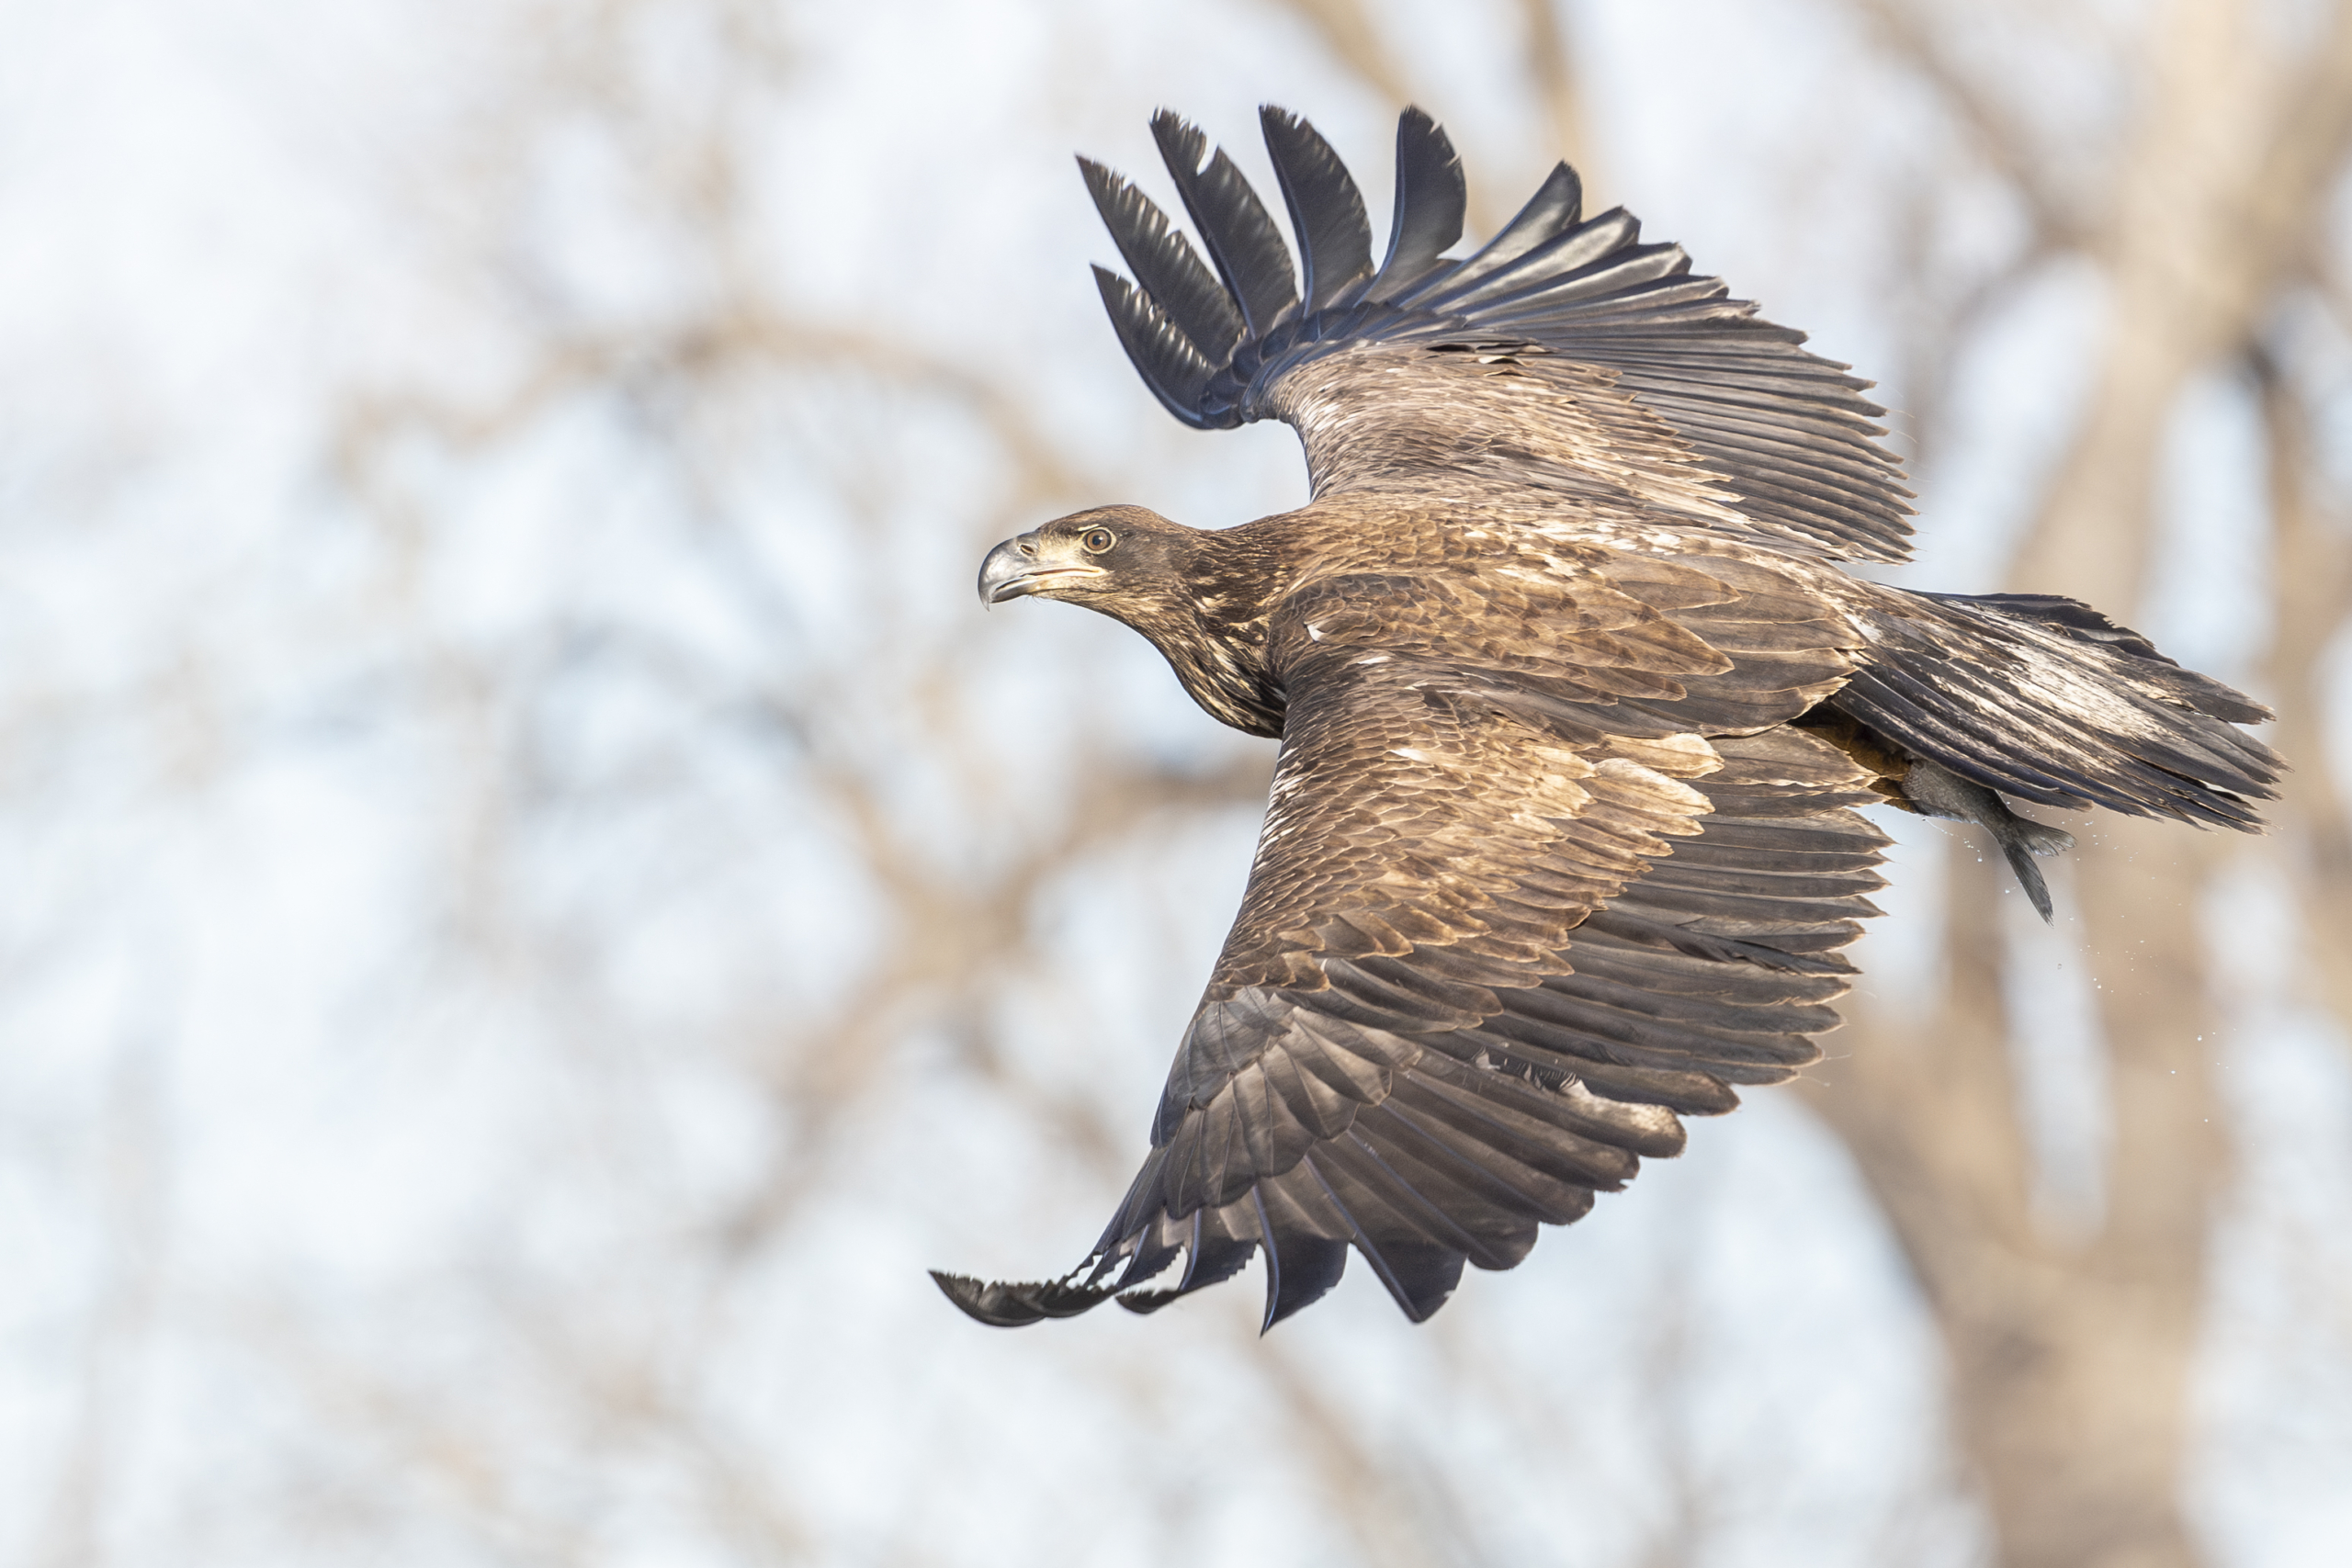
(1563, 354)
(1510, 915)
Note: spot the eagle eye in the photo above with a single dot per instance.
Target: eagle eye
(1097, 540)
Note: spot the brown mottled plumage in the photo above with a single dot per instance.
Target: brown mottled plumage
(1576, 707)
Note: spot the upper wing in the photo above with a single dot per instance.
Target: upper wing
(1506, 919)
(1563, 354)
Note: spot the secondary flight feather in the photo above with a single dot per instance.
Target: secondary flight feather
(1576, 709)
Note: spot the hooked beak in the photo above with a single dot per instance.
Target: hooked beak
(1021, 566)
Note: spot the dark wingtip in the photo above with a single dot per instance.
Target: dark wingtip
(1431, 195)
(982, 1301)
(1001, 1304)
(1158, 347)
(1241, 240)
(1327, 210)
(1300, 1268)
(1183, 146)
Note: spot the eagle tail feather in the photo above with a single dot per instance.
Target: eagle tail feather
(2046, 700)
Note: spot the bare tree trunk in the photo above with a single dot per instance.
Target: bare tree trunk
(2314, 594)
(2069, 1366)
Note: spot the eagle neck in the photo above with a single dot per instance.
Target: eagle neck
(1211, 630)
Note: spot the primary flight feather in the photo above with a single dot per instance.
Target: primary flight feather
(1576, 708)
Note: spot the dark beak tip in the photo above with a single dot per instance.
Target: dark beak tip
(1000, 570)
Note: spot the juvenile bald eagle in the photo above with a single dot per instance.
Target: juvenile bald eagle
(1575, 704)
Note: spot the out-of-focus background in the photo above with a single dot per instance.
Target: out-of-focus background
(536, 904)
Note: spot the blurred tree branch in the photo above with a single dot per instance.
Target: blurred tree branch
(1912, 38)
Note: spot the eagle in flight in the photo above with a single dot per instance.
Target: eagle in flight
(1576, 706)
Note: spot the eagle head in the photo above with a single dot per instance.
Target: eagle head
(1198, 596)
(1103, 558)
